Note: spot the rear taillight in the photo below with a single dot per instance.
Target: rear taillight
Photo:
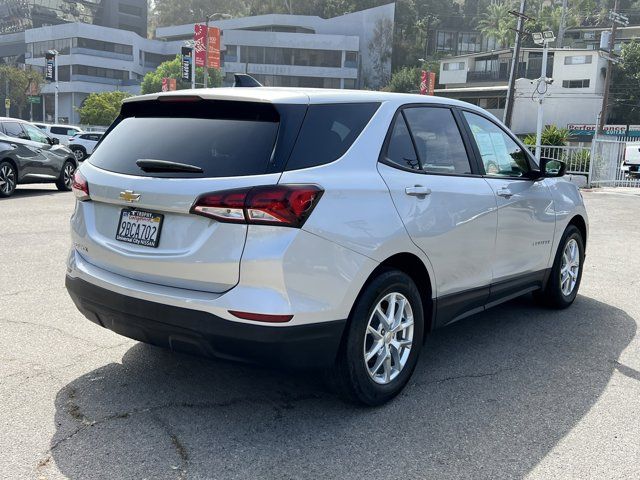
(287, 205)
(80, 187)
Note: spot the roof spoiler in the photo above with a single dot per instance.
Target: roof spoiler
(244, 80)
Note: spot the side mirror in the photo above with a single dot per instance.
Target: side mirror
(54, 141)
(550, 168)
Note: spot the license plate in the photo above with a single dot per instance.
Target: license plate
(139, 227)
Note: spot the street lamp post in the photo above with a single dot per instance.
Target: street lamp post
(544, 39)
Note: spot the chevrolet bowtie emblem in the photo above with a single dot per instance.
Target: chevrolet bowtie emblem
(129, 196)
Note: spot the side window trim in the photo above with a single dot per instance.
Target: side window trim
(413, 142)
(462, 128)
(527, 153)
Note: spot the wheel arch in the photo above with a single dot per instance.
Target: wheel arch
(579, 222)
(414, 267)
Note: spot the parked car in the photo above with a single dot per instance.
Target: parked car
(315, 228)
(631, 163)
(82, 144)
(28, 155)
(61, 132)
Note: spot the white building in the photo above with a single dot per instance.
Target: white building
(92, 59)
(574, 97)
(349, 51)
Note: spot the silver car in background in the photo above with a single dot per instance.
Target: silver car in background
(315, 229)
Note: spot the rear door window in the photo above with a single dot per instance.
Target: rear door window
(328, 131)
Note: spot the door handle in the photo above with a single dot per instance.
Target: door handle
(13, 145)
(504, 192)
(417, 191)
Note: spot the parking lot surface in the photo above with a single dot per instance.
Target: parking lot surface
(518, 391)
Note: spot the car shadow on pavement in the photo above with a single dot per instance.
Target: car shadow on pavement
(491, 396)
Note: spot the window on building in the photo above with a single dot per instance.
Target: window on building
(350, 83)
(578, 59)
(231, 53)
(453, 66)
(129, 9)
(291, 56)
(100, 72)
(39, 49)
(584, 83)
(469, 42)
(101, 46)
(351, 59)
(445, 41)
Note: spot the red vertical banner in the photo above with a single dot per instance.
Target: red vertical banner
(173, 84)
(199, 35)
(214, 48)
(423, 82)
(169, 84)
(200, 38)
(431, 83)
(165, 84)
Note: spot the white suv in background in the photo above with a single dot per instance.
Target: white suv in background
(61, 132)
(82, 144)
(315, 228)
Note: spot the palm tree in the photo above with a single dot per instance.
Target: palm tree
(497, 23)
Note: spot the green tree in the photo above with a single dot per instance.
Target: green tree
(101, 108)
(405, 80)
(152, 81)
(498, 23)
(18, 81)
(625, 86)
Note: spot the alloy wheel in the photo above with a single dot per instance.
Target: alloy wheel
(67, 174)
(389, 338)
(7, 179)
(79, 154)
(570, 267)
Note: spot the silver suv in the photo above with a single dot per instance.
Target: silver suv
(315, 228)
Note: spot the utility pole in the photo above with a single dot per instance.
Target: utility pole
(7, 101)
(563, 25)
(508, 111)
(616, 19)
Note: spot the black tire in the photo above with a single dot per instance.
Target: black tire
(553, 296)
(350, 376)
(79, 152)
(65, 179)
(8, 179)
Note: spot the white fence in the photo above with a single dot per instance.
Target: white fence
(601, 163)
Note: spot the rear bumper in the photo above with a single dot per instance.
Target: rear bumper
(202, 333)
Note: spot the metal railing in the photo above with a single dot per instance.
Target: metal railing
(576, 158)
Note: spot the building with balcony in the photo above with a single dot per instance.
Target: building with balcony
(575, 96)
(349, 51)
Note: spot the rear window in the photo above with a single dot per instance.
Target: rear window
(328, 131)
(223, 140)
(63, 131)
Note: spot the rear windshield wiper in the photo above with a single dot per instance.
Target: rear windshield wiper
(151, 165)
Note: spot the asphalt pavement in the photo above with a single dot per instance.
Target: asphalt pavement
(518, 391)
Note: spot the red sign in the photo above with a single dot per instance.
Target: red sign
(200, 37)
(169, 84)
(427, 83)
